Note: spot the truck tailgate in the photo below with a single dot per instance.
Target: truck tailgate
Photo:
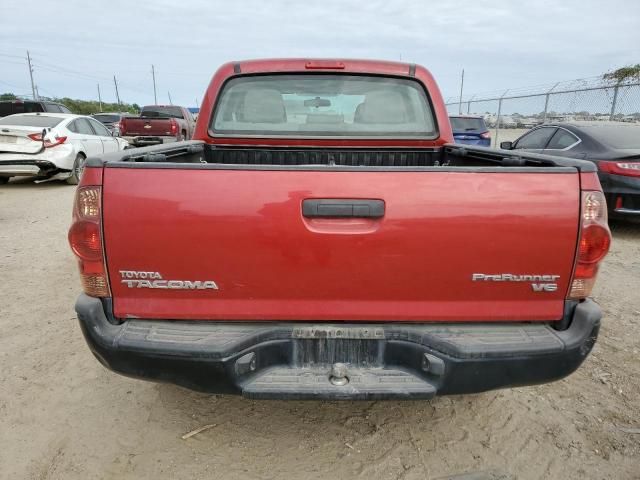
(147, 126)
(245, 231)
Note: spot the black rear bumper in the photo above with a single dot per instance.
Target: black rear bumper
(293, 360)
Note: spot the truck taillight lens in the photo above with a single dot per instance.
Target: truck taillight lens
(48, 142)
(595, 239)
(174, 127)
(85, 239)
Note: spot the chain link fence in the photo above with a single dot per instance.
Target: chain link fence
(512, 112)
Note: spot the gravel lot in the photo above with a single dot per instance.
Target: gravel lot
(63, 416)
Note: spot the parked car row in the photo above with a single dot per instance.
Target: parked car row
(43, 139)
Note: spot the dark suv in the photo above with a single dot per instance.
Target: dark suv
(9, 107)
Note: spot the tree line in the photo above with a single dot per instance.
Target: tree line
(84, 107)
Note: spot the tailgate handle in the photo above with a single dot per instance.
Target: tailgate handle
(342, 208)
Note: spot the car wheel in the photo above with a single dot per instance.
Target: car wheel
(4, 180)
(78, 167)
(184, 135)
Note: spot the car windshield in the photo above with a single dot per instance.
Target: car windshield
(466, 124)
(623, 137)
(323, 105)
(31, 121)
(107, 118)
(161, 112)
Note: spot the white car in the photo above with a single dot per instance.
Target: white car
(59, 155)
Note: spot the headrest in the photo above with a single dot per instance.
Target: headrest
(381, 106)
(264, 106)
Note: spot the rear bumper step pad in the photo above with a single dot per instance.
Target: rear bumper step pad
(361, 384)
(383, 360)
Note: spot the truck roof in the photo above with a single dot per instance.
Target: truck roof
(350, 65)
(159, 105)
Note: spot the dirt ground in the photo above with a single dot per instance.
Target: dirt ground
(63, 416)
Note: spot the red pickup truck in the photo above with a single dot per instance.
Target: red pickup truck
(158, 124)
(322, 237)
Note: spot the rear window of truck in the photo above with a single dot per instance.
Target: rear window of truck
(323, 105)
(467, 124)
(161, 112)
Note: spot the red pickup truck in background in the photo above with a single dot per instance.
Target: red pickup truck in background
(322, 237)
(158, 124)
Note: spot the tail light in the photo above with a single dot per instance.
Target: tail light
(174, 126)
(595, 239)
(85, 239)
(627, 169)
(48, 142)
(485, 135)
(121, 124)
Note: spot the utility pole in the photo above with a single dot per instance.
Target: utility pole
(99, 97)
(115, 82)
(153, 73)
(461, 86)
(170, 102)
(33, 87)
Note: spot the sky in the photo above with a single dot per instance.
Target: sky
(501, 45)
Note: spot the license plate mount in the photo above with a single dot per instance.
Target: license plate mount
(322, 332)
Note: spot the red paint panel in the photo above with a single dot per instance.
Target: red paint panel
(91, 176)
(590, 181)
(245, 231)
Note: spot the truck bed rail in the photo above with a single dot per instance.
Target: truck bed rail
(451, 155)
